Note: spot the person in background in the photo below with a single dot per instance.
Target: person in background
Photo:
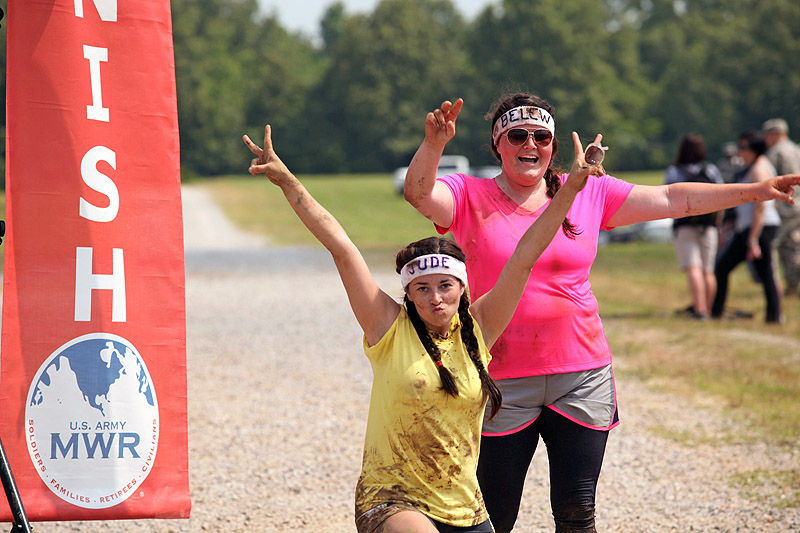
(428, 356)
(729, 165)
(696, 237)
(553, 362)
(785, 157)
(756, 226)
(730, 162)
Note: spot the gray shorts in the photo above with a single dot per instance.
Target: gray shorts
(588, 398)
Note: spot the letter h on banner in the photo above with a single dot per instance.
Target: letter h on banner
(86, 281)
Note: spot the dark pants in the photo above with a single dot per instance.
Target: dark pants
(575, 454)
(734, 253)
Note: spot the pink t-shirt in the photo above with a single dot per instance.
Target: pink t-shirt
(556, 327)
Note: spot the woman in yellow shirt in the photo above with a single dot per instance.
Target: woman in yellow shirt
(429, 358)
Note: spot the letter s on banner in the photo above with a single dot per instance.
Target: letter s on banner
(101, 183)
(94, 319)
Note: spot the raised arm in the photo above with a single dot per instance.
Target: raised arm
(494, 310)
(374, 309)
(685, 199)
(428, 196)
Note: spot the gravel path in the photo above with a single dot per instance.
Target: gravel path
(278, 396)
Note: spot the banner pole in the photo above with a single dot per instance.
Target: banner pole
(21, 523)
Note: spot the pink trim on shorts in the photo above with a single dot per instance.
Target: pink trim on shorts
(610, 427)
(565, 415)
(562, 413)
(511, 431)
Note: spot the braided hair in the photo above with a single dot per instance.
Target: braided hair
(448, 381)
(439, 245)
(488, 385)
(509, 102)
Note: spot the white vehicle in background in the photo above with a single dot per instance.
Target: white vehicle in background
(651, 231)
(485, 173)
(448, 164)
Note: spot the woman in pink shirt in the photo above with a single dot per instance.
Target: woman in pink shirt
(553, 362)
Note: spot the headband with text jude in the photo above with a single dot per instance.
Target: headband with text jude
(433, 264)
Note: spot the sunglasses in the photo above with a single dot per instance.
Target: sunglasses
(595, 153)
(519, 136)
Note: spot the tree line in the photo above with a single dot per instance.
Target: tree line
(642, 72)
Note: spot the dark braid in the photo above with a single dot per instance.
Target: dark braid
(448, 381)
(553, 184)
(488, 385)
(510, 101)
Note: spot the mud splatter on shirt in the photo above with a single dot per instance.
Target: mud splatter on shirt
(421, 446)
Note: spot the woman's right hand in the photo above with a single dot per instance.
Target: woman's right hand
(440, 124)
(267, 161)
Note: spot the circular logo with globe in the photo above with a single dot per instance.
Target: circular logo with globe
(91, 421)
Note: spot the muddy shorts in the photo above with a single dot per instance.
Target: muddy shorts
(372, 521)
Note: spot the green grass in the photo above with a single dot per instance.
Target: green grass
(779, 488)
(649, 177)
(754, 369)
(368, 207)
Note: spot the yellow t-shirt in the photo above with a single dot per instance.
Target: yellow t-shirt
(422, 444)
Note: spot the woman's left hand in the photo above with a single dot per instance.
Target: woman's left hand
(781, 188)
(753, 251)
(581, 170)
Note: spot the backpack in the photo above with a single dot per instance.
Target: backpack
(709, 219)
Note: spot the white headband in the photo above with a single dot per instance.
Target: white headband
(433, 264)
(531, 115)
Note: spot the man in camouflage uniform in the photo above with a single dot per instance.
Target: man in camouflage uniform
(785, 156)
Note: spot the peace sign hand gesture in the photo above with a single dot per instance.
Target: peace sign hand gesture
(267, 161)
(440, 124)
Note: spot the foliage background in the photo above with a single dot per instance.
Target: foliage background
(642, 72)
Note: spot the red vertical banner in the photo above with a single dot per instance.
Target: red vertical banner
(93, 374)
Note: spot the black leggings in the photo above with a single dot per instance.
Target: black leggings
(575, 454)
(734, 253)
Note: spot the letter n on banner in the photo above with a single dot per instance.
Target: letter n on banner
(93, 373)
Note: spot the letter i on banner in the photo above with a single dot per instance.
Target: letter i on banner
(93, 373)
